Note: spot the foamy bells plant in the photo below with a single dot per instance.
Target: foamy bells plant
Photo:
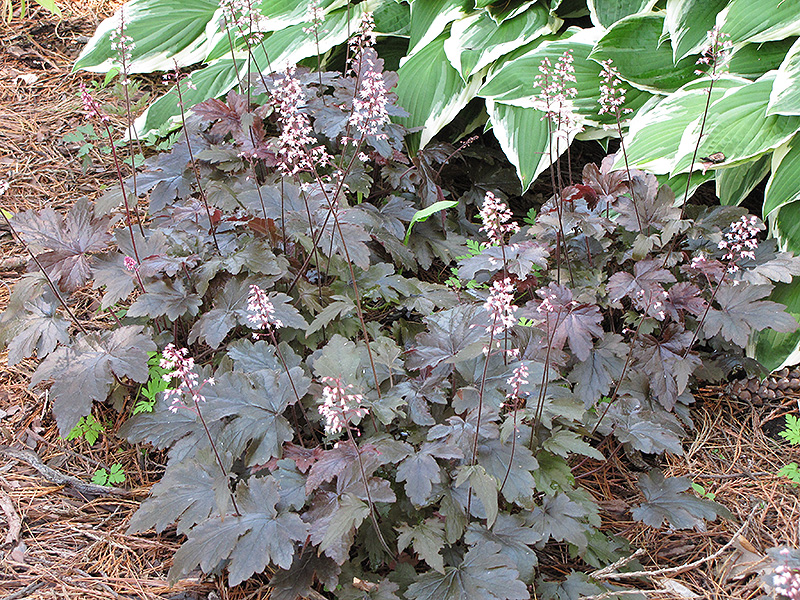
(454, 425)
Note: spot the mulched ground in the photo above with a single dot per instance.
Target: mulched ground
(64, 541)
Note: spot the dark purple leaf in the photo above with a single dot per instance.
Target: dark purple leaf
(667, 362)
(69, 241)
(667, 499)
(741, 311)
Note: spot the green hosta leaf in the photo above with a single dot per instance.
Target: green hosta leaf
(427, 539)
(737, 127)
(655, 133)
(285, 47)
(524, 136)
(666, 499)
(635, 46)
(689, 22)
(744, 22)
(754, 60)
(783, 187)
(775, 350)
(429, 18)
(734, 184)
(605, 13)
(785, 97)
(163, 31)
(431, 90)
(484, 573)
(247, 542)
(85, 372)
(477, 41)
(422, 215)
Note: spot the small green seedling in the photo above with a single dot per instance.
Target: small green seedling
(156, 384)
(88, 428)
(114, 476)
(702, 492)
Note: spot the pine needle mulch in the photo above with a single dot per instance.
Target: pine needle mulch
(68, 541)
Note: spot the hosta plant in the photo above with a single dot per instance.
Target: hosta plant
(337, 415)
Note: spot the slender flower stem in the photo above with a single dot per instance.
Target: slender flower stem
(192, 160)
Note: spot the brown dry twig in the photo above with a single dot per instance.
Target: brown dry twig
(59, 478)
(606, 573)
(12, 518)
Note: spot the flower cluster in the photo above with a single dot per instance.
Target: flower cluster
(365, 36)
(369, 106)
(181, 367)
(242, 15)
(130, 263)
(315, 17)
(123, 45)
(556, 93)
(741, 241)
(612, 94)
(518, 378)
(716, 52)
(500, 306)
(296, 132)
(496, 217)
(91, 106)
(785, 577)
(263, 311)
(339, 407)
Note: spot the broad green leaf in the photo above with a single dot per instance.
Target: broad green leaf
(689, 22)
(753, 60)
(429, 18)
(785, 96)
(422, 215)
(524, 136)
(163, 31)
(431, 91)
(50, 5)
(477, 41)
(605, 13)
(760, 20)
(655, 133)
(677, 184)
(509, 10)
(391, 18)
(734, 184)
(737, 127)
(773, 349)
(783, 187)
(634, 44)
(279, 50)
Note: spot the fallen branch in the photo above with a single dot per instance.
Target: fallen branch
(606, 574)
(58, 478)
